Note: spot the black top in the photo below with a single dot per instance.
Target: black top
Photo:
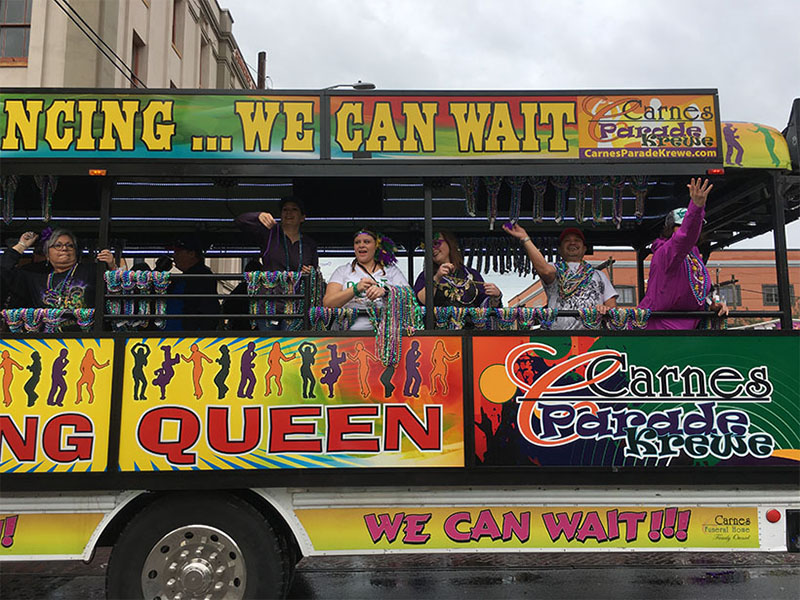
(41, 288)
(193, 306)
(278, 252)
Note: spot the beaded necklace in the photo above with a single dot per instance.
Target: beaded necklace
(457, 289)
(14, 318)
(590, 317)
(699, 280)
(561, 184)
(572, 282)
(539, 187)
(285, 238)
(546, 316)
(505, 319)
(398, 315)
(61, 295)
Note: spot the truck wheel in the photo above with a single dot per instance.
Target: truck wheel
(217, 547)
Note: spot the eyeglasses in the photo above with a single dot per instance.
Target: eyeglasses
(63, 246)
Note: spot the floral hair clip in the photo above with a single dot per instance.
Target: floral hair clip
(45, 234)
(386, 250)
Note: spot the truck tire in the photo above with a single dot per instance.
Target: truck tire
(197, 546)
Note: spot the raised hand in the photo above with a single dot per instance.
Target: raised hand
(698, 191)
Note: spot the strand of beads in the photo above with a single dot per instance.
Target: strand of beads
(345, 317)
(596, 185)
(480, 317)
(638, 318)
(516, 183)
(617, 184)
(590, 317)
(128, 287)
(160, 285)
(639, 186)
(539, 187)
(617, 319)
(114, 305)
(14, 319)
(32, 318)
(699, 279)
(441, 316)
(470, 187)
(546, 316)
(562, 192)
(53, 319)
(143, 282)
(84, 317)
(493, 184)
(581, 185)
(526, 317)
(505, 319)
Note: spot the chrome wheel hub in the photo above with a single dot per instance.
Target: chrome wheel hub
(194, 561)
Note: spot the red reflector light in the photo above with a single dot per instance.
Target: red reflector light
(773, 515)
(715, 172)
(97, 172)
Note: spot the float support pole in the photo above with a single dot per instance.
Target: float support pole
(102, 242)
(781, 259)
(428, 195)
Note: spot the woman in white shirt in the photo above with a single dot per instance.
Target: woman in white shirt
(363, 281)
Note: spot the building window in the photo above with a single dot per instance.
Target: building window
(15, 30)
(731, 294)
(178, 21)
(627, 295)
(771, 296)
(138, 61)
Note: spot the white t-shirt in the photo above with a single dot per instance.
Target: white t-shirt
(597, 292)
(345, 274)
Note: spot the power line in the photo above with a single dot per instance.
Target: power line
(135, 81)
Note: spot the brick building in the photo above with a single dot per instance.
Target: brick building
(746, 279)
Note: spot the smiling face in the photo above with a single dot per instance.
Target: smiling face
(62, 253)
(291, 215)
(364, 246)
(572, 248)
(441, 250)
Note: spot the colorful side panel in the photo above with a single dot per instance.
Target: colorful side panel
(637, 401)
(290, 403)
(502, 528)
(56, 405)
(46, 534)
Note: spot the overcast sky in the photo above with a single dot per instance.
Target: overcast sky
(747, 49)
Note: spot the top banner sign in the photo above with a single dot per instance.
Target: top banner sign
(603, 128)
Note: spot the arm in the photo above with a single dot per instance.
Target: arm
(337, 296)
(255, 224)
(682, 241)
(546, 271)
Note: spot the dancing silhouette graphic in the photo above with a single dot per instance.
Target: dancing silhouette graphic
(732, 139)
(413, 377)
(331, 373)
(224, 362)
(247, 378)
(36, 374)
(166, 371)
(439, 359)
(196, 358)
(307, 351)
(770, 143)
(386, 380)
(58, 386)
(8, 364)
(140, 352)
(275, 370)
(88, 365)
(362, 356)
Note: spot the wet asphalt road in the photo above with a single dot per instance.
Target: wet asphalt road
(596, 576)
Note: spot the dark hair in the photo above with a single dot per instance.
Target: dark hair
(374, 236)
(295, 200)
(456, 256)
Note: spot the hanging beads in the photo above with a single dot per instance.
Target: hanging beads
(493, 185)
